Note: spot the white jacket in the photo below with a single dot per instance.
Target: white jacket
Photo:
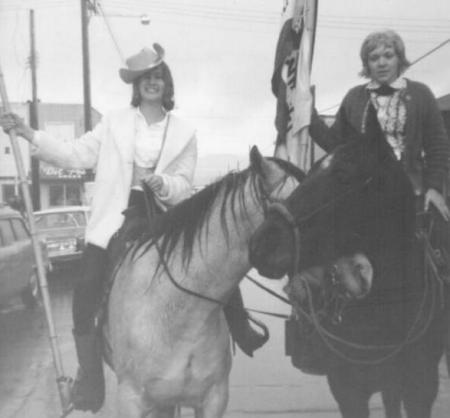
(109, 148)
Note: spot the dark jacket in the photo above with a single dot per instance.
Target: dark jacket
(427, 146)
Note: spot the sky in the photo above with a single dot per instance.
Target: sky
(221, 54)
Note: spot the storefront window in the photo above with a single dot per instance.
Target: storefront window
(8, 192)
(73, 194)
(56, 195)
(64, 194)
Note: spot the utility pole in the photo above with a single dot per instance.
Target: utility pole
(85, 4)
(34, 118)
(86, 65)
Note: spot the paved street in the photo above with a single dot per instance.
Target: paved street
(266, 386)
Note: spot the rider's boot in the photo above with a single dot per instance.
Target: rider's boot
(246, 337)
(88, 392)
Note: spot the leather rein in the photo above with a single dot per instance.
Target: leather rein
(415, 332)
(150, 204)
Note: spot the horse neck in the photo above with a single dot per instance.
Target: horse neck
(224, 240)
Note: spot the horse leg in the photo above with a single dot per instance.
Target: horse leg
(130, 404)
(421, 390)
(167, 412)
(421, 373)
(349, 393)
(392, 402)
(215, 403)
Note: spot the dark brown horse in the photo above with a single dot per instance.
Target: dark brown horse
(359, 199)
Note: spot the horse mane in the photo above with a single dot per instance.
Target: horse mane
(185, 221)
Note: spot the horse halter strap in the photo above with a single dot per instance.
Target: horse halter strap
(331, 272)
(151, 200)
(286, 214)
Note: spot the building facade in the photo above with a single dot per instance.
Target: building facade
(58, 187)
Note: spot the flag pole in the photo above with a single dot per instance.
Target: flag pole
(62, 381)
(299, 144)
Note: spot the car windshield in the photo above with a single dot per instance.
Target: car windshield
(60, 220)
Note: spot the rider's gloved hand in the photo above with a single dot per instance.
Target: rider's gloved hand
(434, 197)
(10, 121)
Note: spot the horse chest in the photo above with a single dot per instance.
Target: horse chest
(187, 378)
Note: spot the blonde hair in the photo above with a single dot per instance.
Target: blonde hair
(388, 38)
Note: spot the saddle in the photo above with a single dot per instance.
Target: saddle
(434, 233)
(304, 347)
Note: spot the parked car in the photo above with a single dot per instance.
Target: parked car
(62, 229)
(18, 275)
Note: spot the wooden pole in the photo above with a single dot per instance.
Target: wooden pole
(34, 119)
(86, 74)
(63, 382)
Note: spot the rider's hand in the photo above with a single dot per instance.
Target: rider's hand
(10, 121)
(155, 182)
(438, 201)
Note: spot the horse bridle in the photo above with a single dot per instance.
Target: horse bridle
(339, 298)
(314, 316)
(280, 208)
(265, 198)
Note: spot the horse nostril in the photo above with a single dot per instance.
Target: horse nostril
(365, 274)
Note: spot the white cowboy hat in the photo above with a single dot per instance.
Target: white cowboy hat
(140, 63)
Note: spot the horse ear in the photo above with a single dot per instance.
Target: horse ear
(264, 167)
(256, 158)
(258, 163)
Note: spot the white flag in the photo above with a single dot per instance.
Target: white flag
(291, 81)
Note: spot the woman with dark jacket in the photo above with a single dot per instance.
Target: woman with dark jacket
(407, 112)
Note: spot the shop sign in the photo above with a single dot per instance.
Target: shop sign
(49, 172)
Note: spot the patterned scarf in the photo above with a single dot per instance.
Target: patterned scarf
(390, 104)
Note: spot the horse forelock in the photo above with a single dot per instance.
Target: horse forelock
(184, 223)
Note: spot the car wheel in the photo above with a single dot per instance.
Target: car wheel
(30, 294)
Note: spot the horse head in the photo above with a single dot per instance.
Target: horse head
(357, 199)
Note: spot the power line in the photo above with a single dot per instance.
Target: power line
(205, 7)
(210, 15)
(245, 14)
(431, 51)
(119, 51)
(397, 22)
(175, 19)
(387, 18)
(364, 28)
(230, 15)
(252, 13)
(251, 16)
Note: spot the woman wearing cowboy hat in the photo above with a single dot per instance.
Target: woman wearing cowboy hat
(144, 143)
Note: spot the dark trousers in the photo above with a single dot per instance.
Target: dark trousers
(97, 263)
(88, 289)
